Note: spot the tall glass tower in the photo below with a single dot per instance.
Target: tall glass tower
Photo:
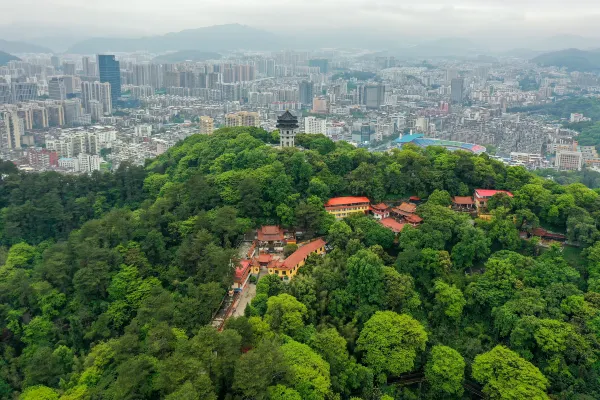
(110, 72)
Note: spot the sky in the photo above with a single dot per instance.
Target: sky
(427, 18)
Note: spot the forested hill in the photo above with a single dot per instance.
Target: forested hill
(117, 303)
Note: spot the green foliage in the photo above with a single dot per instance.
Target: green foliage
(505, 375)
(390, 342)
(109, 282)
(445, 371)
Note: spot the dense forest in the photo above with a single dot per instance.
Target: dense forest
(108, 283)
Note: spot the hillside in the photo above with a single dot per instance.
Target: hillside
(210, 39)
(109, 283)
(21, 47)
(5, 57)
(187, 55)
(572, 59)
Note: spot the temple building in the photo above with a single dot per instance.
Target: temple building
(288, 126)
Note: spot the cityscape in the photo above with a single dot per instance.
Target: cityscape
(315, 200)
(75, 113)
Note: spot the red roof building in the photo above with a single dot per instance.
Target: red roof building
(271, 238)
(289, 267)
(482, 196)
(413, 219)
(392, 224)
(463, 203)
(405, 209)
(341, 207)
(242, 272)
(380, 211)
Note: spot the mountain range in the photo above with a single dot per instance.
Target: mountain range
(572, 59)
(22, 47)
(212, 38)
(5, 57)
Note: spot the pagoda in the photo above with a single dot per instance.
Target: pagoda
(287, 123)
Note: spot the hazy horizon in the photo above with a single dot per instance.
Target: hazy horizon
(505, 24)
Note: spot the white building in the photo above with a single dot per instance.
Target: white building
(143, 130)
(68, 163)
(88, 162)
(568, 160)
(315, 125)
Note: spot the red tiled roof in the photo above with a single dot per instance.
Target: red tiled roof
(380, 206)
(407, 207)
(296, 257)
(264, 258)
(414, 219)
(339, 201)
(270, 233)
(463, 200)
(490, 192)
(392, 224)
(415, 198)
(241, 269)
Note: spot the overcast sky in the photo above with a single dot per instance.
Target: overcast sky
(422, 17)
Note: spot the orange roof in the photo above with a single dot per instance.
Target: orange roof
(490, 192)
(414, 219)
(407, 207)
(462, 200)
(264, 258)
(392, 224)
(299, 255)
(380, 206)
(339, 201)
(270, 233)
(241, 270)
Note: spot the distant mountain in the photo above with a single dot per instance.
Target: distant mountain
(21, 47)
(572, 59)
(5, 57)
(560, 42)
(212, 38)
(187, 55)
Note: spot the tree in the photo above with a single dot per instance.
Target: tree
(440, 198)
(339, 234)
(289, 249)
(285, 314)
(505, 375)
(308, 374)
(39, 393)
(390, 342)
(365, 278)
(400, 294)
(258, 369)
(445, 371)
(450, 299)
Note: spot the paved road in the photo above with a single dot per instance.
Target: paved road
(246, 297)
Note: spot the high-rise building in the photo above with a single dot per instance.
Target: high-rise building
(322, 63)
(97, 91)
(373, 96)
(569, 160)
(57, 89)
(55, 61)
(110, 72)
(451, 74)
(24, 91)
(96, 110)
(243, 118)
(5, 93)
(12, 130)
(306, 93)
(56, 114)
(207, 125)
(287, 123)
(25, 115)
(69, 68)
(40, 117)
(315, 125)
(72, 111)
(89, 66)
(320, 105)
(457, 90)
